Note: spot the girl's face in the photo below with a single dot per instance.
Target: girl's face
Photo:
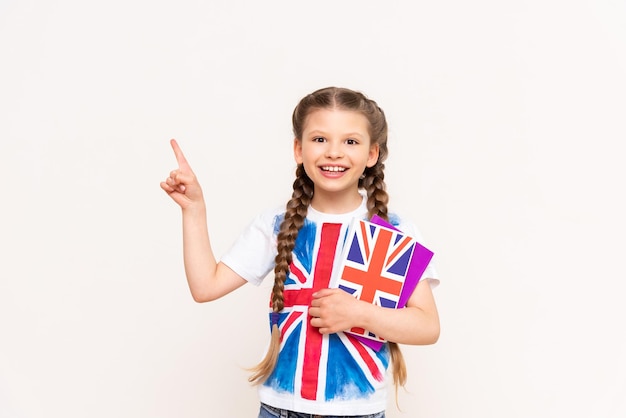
(335, 149)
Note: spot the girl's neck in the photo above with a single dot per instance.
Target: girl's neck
(336, 203)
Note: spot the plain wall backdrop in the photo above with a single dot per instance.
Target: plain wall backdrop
(506, 119)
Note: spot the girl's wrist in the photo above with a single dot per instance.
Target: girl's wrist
(364, 313)
(195, 209)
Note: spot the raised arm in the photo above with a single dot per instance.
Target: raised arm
(207, 279)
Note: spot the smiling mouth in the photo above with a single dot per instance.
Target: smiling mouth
(333, 169)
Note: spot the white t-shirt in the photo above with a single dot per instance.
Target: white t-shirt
(331, 374)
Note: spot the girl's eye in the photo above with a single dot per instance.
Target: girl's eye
(318, 139)
(351, 141)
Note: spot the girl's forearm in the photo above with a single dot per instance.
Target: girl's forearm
(409, 325)
(416, 324)
(199, 261)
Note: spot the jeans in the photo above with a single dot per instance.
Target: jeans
(267, 411)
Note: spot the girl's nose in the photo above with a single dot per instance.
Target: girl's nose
(334, 150)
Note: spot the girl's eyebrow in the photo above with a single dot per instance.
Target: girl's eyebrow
(317, 132)
(321, 133)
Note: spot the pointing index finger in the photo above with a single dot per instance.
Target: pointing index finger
(180, 157)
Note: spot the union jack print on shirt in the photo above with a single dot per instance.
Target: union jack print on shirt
(374, 266)
(310, 365)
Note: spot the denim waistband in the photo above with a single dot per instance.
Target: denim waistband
(267, 411)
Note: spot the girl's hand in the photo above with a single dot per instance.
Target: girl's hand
(182, 185)
(334, 310)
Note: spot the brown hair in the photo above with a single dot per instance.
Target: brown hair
(296, 209)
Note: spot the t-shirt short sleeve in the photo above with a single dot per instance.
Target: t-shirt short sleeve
(253, 253)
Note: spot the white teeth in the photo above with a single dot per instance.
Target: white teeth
(333, 168)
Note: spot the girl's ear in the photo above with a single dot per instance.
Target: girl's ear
(373, 155)
(297, 150)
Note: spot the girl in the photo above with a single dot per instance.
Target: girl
(313, 368)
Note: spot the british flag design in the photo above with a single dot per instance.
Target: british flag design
(313, 366)
(374, 266)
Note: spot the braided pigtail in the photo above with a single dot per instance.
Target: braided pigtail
(374, 185)
(377, 200)
(295, 214)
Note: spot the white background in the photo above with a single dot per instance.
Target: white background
(506, 119)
